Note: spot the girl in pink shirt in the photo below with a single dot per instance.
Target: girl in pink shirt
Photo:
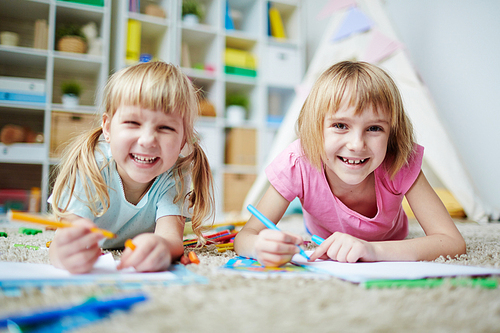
(351, 167)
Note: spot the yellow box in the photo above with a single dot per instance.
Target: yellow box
(236, 187)
(66, 126)
(241, 146)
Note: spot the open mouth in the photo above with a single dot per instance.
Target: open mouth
(353, 162)
(143, 160)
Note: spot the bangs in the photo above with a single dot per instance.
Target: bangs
(361, 89)
(154, 87)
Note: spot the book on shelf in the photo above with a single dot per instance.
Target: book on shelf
(41, 35)
(133, 42)
(277, 28)
(185, 56)
(135, 6)
(229, 24)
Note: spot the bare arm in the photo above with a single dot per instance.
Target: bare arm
(442, 236)
(269, 247)
(172, 229)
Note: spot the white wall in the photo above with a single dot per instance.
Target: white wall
(455, 46)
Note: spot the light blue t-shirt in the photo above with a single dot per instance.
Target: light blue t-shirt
(123, 218)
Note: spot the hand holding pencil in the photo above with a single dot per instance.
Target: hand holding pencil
(75, 245)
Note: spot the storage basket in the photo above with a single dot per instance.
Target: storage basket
(72, 44)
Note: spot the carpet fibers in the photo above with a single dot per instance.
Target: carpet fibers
(230, 302)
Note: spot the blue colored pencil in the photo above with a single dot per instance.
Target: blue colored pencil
(93, 305)
(316, 239)
(269, 224)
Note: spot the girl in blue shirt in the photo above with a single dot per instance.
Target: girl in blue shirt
(129, 176)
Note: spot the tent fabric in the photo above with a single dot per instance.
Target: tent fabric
(440, 153)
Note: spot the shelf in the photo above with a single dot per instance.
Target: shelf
(32, 160)
(79, 109)
(20, 56)
(76, 62)
(151, 26)
(37, 8)
(32, 153)
(270, 92)
(23, 106)
(75, 12)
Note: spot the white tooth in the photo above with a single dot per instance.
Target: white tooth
(357, 162)
(351, 161)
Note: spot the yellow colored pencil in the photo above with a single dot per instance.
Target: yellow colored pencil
(225, 245)
(13, 215)
(236, 224)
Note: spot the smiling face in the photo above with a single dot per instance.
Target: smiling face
(144, 143)
(355, 144)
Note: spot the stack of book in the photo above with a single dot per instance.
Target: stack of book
(240, 62)
(17, 89)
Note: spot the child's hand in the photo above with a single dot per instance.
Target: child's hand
(275, 248)
(75, 248)
(344, 248)
(151, 254)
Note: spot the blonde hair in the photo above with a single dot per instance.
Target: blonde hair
(361, 85)
(155, 86)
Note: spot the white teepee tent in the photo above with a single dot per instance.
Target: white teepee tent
(361, 30)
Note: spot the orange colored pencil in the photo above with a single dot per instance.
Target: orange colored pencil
(19, 216)
(129, 244)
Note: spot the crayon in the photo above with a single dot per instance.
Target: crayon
(193, 257)
(268, 223)
(129, 244)
(14, 215)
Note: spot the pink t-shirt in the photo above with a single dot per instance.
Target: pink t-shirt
(293, 176)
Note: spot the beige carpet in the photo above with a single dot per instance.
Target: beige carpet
(232, 303)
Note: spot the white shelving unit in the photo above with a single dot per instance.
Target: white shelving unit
(26, 165)
(270, 92)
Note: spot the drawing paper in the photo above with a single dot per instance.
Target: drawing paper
(393, 270)
(15, 274)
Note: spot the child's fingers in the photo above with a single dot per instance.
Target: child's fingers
(279, 236)
(82, 261)
(321, 250)
(132, 258)
(271, 245)
(273, 260)
(156, 260)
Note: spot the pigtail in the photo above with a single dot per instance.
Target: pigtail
(201, 197)
(79, 161)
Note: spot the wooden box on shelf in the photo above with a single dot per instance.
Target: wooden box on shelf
(236, 187)
(241, 146)
(67, 126)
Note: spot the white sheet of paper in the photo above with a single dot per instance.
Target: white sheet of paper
(391, 270)
(104, 269)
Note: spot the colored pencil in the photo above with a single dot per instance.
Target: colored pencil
(24, 217)
(268, 223)
(129, 244)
